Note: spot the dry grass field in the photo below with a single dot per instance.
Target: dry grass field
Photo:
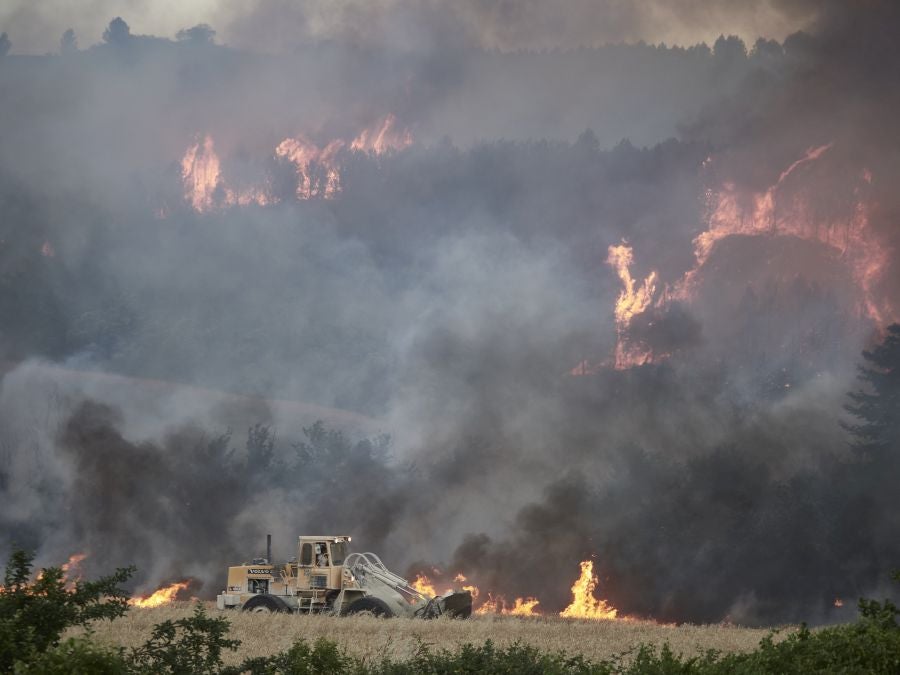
(372, 638)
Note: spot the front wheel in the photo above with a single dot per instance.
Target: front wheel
(265, 604)
(375, 606)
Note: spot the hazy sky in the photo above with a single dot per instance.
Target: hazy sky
(35, 26)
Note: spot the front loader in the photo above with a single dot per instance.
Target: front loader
(326, 577)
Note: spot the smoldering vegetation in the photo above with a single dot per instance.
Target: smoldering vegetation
(443, 299)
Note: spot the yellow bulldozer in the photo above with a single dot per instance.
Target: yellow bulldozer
(325, 576)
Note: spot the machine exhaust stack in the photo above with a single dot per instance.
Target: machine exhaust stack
(269, 549)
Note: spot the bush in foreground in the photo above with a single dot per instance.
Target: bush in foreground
(34, 612)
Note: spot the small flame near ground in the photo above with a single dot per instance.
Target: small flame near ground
(161, 596)
(73, 564)
(491, 605)
(523, 607)
(424, 586)
(72, 569)
(499, 605)
(584, 605)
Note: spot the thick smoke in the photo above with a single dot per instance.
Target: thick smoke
(165, 367)
(280, 25)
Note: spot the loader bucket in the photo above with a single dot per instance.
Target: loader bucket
(457, 605)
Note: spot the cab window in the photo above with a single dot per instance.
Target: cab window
(306, 554)
(321, 554)
(338, 553)
(258, 585)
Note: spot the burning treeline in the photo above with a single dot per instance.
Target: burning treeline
(716, 290)
(779, 211)
(317, 168)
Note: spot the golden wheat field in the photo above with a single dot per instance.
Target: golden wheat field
(373, 638)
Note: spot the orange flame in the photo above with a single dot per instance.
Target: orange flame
(424, 586)
(317, 171)
(498, 605)
(853, 239)
(838, 602)
(162, 596)
(523, 607)
(202, 180)
(633, 300)
(728, 218)
(317, 167)
(770, 213)
(70, 572)
(584, 605)
(200, 173)
(73, 562)
(72, 567)
(489, 606)
(382, 138)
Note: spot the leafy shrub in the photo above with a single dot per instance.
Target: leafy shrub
(185, 647)
(489, 659)
(75, 655)
(871, 645)
(35, 612)
(324, 656)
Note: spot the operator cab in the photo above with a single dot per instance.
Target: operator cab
(323, 552)
(319, 564)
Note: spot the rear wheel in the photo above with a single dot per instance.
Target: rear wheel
(369, 604)
(265, 604)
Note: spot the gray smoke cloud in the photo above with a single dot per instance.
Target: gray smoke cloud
(165, 368)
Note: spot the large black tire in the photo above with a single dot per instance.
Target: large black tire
(369, 604)
(265, 604)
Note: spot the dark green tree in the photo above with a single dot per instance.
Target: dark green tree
(68, 43)
(118, 32)
(877, 406)
(260, 447)
(201, 34)
(862, 500)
